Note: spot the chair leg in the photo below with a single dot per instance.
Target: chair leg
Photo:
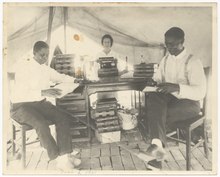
(205, 144)
(23, 147)
(178, 136)
(13, 139)
(188, 149)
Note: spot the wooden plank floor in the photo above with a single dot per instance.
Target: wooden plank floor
(96, 156)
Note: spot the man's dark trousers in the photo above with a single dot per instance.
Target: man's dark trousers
(38, 114)
(165, 109)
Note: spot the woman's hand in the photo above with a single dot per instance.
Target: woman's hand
(168, 88)
(52, 92)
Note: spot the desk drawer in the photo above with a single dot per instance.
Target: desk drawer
(78, 126)
(71, 96)
(73, 106)
(76, 120)
(78, 134)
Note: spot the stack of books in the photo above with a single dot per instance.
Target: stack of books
(107, 121)
(145, 70)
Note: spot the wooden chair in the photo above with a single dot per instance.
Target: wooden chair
(20, 128)
(188, 126)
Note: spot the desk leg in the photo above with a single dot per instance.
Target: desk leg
(88, 113)
(132, 104)
(139, 101)
(142, 121)
(135, 100)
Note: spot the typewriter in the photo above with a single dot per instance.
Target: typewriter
(108, 67)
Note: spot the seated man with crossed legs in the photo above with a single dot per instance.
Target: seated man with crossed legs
(181, 85)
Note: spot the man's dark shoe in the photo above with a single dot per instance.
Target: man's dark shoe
(154, 165)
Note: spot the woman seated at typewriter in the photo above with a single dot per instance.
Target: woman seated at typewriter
(107, 42)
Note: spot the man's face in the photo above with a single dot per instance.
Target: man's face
(174, 46)
(42, 55)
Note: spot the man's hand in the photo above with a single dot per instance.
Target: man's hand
(52, 92)
(168, 88)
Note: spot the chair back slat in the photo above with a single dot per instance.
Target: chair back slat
(204, 101)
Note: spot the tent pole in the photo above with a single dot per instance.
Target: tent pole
(50, 22)
(64, 23)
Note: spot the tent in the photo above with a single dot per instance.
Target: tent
(137, 29)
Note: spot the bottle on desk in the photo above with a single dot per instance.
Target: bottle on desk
(142, 59)
(126, 64)
(79, 73)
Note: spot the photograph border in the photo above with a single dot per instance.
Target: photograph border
(214, 82)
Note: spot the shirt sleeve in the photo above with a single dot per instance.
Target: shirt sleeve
(196, 89)
(159, 74)
(57, 77)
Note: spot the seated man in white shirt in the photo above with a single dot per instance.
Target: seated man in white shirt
(181, 84)
(29, 105)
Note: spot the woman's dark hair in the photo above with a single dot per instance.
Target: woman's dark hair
(109, 37)
(175, 32)
(39, 45)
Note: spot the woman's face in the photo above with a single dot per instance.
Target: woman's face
(106, 43)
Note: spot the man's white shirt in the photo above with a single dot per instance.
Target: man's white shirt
(31, 78)
(175, 73)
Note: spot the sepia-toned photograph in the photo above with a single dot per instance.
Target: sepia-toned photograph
(109, 88)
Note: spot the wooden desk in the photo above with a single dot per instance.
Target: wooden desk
(110, 85)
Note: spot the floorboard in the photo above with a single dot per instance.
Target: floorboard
(112, 156)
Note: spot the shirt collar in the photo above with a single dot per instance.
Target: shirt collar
(181, 55)
(107, 53)
(32, 60)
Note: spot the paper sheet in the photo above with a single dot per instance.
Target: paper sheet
(150, 89)
(66, 88)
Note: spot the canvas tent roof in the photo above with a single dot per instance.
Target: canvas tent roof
(136, 30)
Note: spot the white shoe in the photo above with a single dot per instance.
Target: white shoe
(75, 161)
(64, 164)
(67, 166)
